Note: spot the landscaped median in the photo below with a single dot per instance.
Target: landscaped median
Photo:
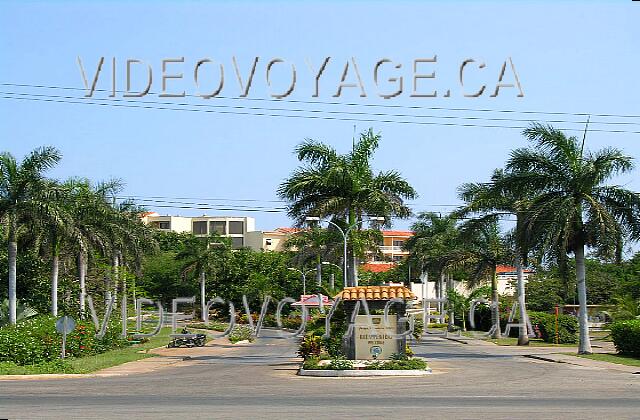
(400, 366)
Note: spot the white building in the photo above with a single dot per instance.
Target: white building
(235, 228)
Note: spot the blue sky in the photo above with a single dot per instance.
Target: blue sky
(570, 57)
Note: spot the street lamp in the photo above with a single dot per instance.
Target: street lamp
(345, 234)
(304, 278)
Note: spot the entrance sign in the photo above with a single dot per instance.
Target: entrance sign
(380, 344)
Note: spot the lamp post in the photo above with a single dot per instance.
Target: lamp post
(304, 278)
(332, 285)
(345, 234)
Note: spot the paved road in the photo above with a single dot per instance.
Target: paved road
(259, 381)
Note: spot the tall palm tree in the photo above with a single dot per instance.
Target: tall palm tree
(202, 256)
(344, 187)
(495, 198)
(23, 191)
(571, 206)
(435, 248)
(485, 248)
(91, 209)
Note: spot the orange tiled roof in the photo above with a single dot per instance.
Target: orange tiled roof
(287, 230)
(509, 269)
(376, 293)
(377, 267)
(403, 233)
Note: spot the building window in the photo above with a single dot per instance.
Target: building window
(199, 228)
(237, 243)
(219, 227)
(267, 242)
(236, 227)
(398, 243)
(164, 225)
(397, 258)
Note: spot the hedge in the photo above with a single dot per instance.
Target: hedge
(626, 337)
(36, 340)
(544, 325)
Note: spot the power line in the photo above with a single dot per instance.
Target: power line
(319, 117)
(187, 104)
(417, 107)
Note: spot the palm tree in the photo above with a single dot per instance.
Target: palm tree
(434, 247)
(315, 244)
(90, 209)
(485, 248)
(344, 187)
(571, 206)
(23, 192)
(202, 256)
(495, 198)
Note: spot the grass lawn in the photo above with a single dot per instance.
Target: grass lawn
(533, 342)
(91, 363)
(612, 358)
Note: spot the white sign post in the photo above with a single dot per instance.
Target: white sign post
(64, 326)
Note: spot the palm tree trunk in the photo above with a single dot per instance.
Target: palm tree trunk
(116, 272)
(495, 306)
(451, 308)
(82, 274)
(352, 280)
(319, 271)
(523, 337)
(585, 342)
(55, 266)
(203, 297)
(12, 260)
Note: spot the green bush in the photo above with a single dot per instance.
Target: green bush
(312, 363)
(310, 346)
(36, 340)
(401, 364)
(340, 364)
(241, 333)
(626, 337)
(544, 325)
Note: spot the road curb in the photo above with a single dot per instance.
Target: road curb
(324, 373)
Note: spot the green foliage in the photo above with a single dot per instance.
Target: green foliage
(418, 327)
(625, 307)
(626, 337)
(544, 325)
(162, 278)
(23, 312)
(340, 364)
(312, 363)
(310, 346)
(241, 333)
(52, 366)
(398, 364)
(36, 340)
(543, 292)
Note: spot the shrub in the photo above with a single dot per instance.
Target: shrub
(312, 363)
(36, 340)
(340, 364)
(626, 337)
(241, 333)
(544, 326)
(418, 328)
(398, 364)
(310, 346)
